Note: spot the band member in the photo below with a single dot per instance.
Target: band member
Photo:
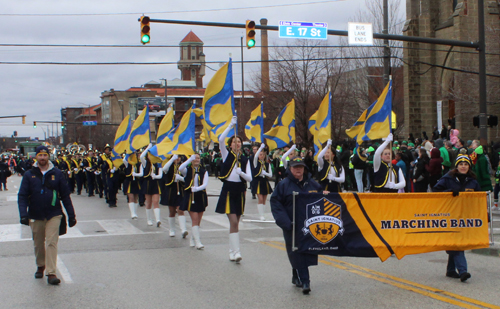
(89, 164)
(331, 172)
(195, 196)
(387, 178)
(111, 180)
(131, 185)
(78, 173)
(235, 173)
(173, 194)
(261, 171)
(151, 174)
(71, 173)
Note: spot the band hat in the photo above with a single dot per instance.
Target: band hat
(297, 161)
(42, 149)
(463, 158)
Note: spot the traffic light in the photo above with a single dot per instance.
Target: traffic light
(250, 28)
(492, 121)
(145, 38)
(63, 125)
(34, 124)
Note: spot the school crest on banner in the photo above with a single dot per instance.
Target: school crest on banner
(323, 220)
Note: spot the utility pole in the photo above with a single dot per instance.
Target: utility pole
(387, 50)
(483, 126)
(242, 84)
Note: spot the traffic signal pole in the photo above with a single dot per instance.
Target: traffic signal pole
(479, 45)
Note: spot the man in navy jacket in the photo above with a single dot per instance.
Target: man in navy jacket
(39, 199)
(297, 180)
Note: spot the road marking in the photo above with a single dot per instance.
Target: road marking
(122, 227)
(428, 291)
(12, 198)
(10, 232)
(224, 222)
(66, 276)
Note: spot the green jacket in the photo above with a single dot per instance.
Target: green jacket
(482, 171)
(446, 156)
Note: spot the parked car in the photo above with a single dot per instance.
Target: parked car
(154, 108)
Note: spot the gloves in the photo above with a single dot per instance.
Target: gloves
(391, 185)
(69, 172)
(238, 170)
(195, 189)
(25, 221)
(178, 178)
(191, 158)
(75, 169)
(81, 164)
(389, 137)
(456, 192)
(264, 174)
(112, 171)
(262, 146)
(234, 120)
(72, 222)
(331, 177)
(88, 169)
(293, 147)
(175, 157)
(149, 147)
(328, 143)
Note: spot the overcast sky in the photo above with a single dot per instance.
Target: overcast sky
(40, 91)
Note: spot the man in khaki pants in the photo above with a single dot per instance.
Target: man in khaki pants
(39, 199)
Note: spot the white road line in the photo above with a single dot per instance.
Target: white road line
(10, 232)
(66, 276)
(224, 222)
(122, 227)
(12, 198)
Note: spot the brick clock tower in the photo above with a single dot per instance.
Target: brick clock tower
(192, 62)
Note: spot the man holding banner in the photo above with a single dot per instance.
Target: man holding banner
(297, 180)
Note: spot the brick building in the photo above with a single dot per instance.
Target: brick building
(425, 83)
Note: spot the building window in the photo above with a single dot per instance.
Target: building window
(193, 57)
(186, 104)
(193, 74)
(454, 4)
(193, 48)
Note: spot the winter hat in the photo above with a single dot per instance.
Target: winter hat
(41, 149)
(463, 158)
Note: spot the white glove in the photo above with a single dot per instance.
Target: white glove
(175, 157)
(97, 173)
(81, 164)
(331, 177)
(234, 120)
(262, 146)
(149, 147)
(87, 168)
(328, 143)
(75, 169)
(112, 171)
(178, 178)
(293, 147)
(389, 137)
(69, 172)
(195, 189)
(391, 185)
(238, 170)
(191, 158)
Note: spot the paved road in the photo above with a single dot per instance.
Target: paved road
(110, 261)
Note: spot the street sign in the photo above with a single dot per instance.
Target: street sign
(360, 34)
(303, 30)
(90, 123)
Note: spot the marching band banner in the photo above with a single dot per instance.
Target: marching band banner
(379, 225)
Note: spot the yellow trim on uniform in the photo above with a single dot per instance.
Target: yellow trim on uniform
(228, 207)
(387, 175)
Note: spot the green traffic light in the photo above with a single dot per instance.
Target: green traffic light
(251, 43)
(145, 39)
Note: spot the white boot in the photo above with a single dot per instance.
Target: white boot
(191, 241)
(136, 207)
(149, 216)
(234, 241)
(260, 208)
(157, 216)
(133, 213)
(171, 223)
(196, 235)
(182, 225)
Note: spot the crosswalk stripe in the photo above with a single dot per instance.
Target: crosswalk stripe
(122, 227)
(10, 232)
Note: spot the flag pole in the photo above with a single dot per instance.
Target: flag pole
(391, 168)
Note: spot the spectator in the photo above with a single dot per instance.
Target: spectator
(439, 144)
(420, 174)
(481, 166)
(434, 167)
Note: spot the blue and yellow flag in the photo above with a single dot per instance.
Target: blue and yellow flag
(324, 119)
(314, 132)
(218, 101)
(116, 159)
(283, 129)
(375, 122)
(166, 125)
(254, 129)
(205, 135)
(180, 140)
(122, 135)
(140, 134)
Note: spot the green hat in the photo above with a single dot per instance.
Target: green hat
(404, 143)
(411, 145)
